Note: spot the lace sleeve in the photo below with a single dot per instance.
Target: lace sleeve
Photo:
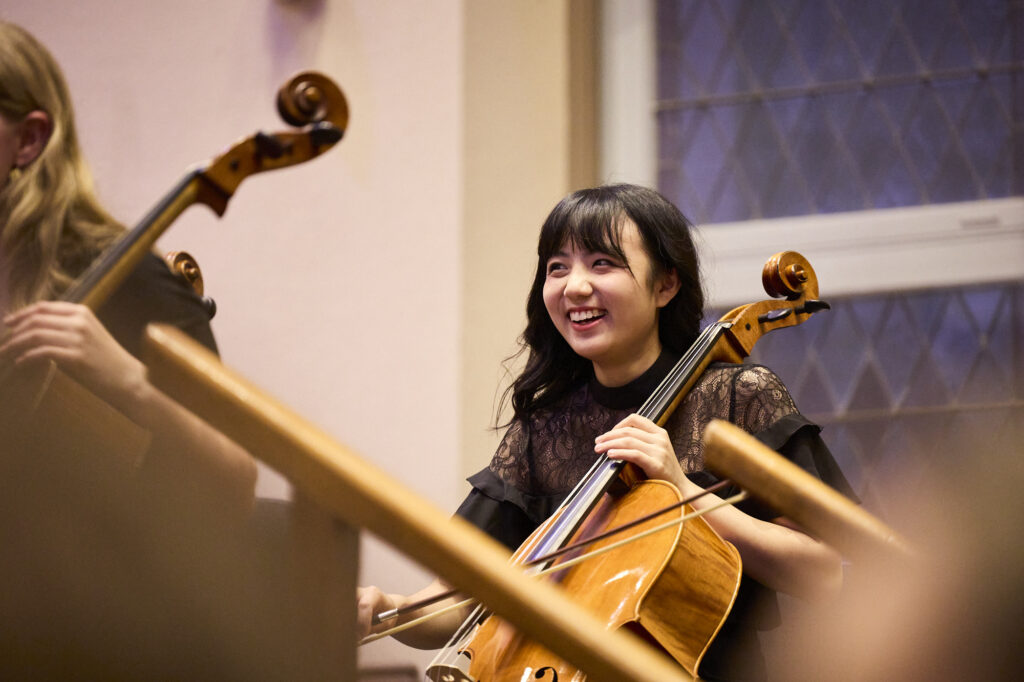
(509, 461)
(750, 396)
(551, 453)
(759, 399)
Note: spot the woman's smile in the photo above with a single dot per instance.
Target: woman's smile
(583, 318)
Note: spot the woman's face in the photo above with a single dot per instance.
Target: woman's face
(607, 309)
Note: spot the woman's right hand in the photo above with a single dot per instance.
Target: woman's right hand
(431, 634)
(70, 335)
(369, 602)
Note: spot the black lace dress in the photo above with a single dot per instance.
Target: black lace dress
(538, 463)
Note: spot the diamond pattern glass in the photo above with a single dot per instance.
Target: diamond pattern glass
(787, 107)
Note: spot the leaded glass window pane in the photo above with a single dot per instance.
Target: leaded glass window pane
(787, 107)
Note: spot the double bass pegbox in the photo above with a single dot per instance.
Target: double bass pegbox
(309, 101)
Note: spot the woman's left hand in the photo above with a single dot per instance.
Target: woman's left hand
(70, 335)
(640, 441)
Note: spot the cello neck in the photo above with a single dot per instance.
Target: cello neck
(680, 379)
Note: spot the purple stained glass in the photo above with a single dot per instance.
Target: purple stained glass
(839, 105)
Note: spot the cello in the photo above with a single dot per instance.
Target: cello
(676, 589)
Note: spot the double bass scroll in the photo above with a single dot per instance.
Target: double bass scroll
(46, 408)
(310, 100)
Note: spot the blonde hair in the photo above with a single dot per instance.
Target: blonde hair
(51, 224)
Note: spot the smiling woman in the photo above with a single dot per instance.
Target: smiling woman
(616, 300)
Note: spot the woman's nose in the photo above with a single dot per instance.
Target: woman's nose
(578, 284)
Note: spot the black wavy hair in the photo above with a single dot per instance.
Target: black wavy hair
(592, 220)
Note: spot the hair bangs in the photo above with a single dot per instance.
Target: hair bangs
(586, 221)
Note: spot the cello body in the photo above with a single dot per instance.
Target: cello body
(43, 410)
(676, 593)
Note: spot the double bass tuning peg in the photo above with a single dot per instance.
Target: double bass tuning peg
(269, 146)
(311, 97)
(324, 134)
(186, 268)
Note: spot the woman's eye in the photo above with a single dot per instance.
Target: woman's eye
(605, 262)
(555, 267)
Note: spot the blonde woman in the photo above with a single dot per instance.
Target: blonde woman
(51, 228)
(106, 576)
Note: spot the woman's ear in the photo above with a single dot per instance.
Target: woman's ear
(668, 286)
(34, 133)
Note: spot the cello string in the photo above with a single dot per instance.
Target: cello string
(669, 385)
(579, 544)
(570, 498)
(686, 365)
(449, 653)
(581, 500)
(462, 633)
(735, 499)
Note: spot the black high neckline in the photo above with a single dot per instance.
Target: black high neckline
(638, 390)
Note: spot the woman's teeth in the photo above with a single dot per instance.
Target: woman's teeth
(585, 315)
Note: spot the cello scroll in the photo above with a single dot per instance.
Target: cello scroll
(185, 266)
(786, 275)
(311, 97)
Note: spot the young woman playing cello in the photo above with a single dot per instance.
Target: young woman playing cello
(615, 302)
